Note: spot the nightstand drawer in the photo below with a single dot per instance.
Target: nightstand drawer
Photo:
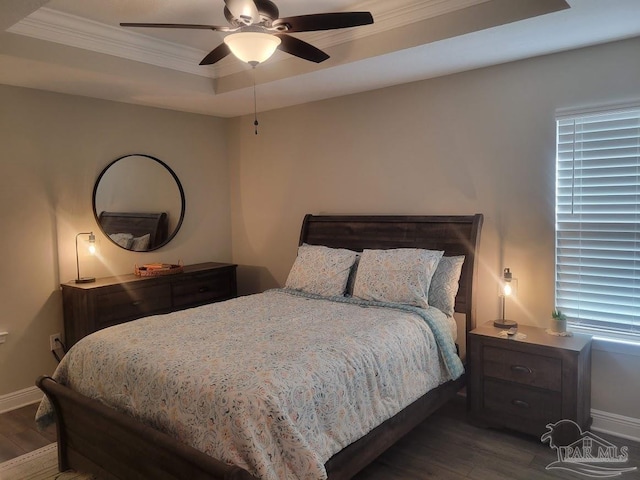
(523, 384)
(130, 304)
(525, 368)
(538, 406)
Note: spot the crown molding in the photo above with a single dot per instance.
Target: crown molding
(390, 15)
(66, 29)
(63, 28)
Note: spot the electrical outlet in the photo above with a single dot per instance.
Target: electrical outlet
(53, 341)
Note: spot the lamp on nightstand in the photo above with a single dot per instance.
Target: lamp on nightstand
(508, 288)
(92, 251)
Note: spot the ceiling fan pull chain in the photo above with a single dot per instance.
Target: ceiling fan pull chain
(255, 105)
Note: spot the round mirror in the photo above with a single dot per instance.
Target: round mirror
(138, 202)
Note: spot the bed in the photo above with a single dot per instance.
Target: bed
(95, 438)
(135, 231)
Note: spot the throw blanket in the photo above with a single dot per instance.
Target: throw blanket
(276, 382)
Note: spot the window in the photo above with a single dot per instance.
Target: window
(598, 221)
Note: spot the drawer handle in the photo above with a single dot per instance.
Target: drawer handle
(203, 289)
(521, 369)
(136, 303)
(520, 403)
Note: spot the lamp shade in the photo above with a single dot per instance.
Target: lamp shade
(92, 250)
(508, 288)
(509, 285)
(252, 47)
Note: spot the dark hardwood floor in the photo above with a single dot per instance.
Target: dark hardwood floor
(446, 447)
(19, 434)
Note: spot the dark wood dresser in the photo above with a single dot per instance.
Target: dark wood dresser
(108, 301)
(526, 384)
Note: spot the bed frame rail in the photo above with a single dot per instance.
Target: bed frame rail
(349, 461)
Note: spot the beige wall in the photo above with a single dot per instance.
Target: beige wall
(53, 148)
(481, 141)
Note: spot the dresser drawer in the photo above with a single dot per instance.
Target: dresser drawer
(112, 300)
(530, 404)
(203, 288)
(524, 368)
(129, 304)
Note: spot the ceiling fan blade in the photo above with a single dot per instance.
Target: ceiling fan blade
(216, 54)
(245, 11)
(297, 47)
(324, 21)
(177, 25)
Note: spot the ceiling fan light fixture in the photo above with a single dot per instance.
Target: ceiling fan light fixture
(252, 47)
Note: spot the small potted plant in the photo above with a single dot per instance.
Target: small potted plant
(558, 322)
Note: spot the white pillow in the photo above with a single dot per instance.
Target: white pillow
(401, 275)
(141, 244)
(445, 284)
(321, 270)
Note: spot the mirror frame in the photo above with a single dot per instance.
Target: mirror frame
(178, 184)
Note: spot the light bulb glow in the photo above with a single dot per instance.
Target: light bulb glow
(92, 244)
(507, 289)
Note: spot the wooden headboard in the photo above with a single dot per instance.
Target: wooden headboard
(137, 224)
(456, 235)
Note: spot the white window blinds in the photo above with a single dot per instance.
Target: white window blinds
(598, 221)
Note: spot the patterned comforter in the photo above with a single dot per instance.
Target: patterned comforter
(276, 382)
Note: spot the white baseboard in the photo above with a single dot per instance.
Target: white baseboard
(617, 425)
(21, 398)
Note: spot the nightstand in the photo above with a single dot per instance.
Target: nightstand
(525, 384)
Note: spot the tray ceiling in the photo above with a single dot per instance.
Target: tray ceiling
(79, 48)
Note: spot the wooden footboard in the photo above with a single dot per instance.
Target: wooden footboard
(96, 439)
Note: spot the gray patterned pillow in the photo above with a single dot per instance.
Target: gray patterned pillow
(123, 239)
(401, 275)
(321, 270)
(141, 243)
(444, 284)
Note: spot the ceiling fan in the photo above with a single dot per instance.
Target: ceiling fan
(257, 31)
